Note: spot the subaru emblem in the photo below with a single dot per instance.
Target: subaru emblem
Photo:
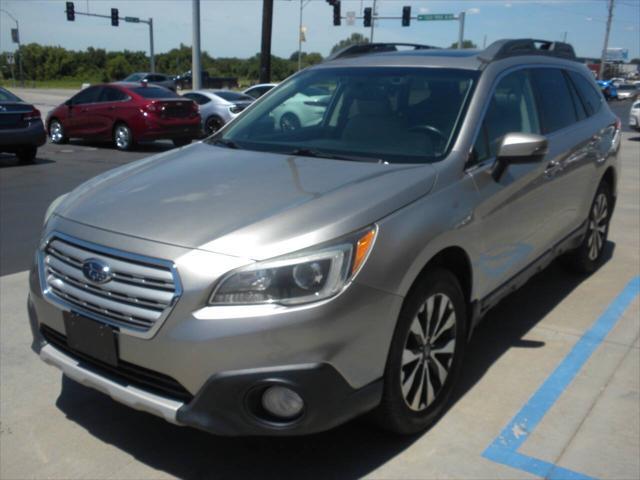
(96, 270)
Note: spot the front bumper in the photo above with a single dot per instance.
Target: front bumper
(32, 135)
(221, 354)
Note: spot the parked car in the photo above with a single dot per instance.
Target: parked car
(304, 109)
(256, 91)
(217, 107)
(634, 116)
(608, 89)
(21, 129)
(185, 81)
(125, 113)
(160, 79)
(627, 91)
(269, 281)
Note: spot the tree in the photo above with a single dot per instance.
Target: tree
(465, 44)
(635, 61)
(118, 67)
(354, 39)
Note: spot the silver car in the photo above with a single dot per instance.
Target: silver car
(160, 79)
(217, 107)
(269, 281)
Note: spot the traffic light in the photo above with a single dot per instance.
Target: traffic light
(406, 16)
(367, 17)
(336, 13)
(71, 12)
(114, 17)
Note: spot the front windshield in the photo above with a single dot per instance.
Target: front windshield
(387, 114)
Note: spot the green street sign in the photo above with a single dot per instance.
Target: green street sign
(437, 16)
(132, 19)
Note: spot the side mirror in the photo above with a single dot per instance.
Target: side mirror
(519, 148)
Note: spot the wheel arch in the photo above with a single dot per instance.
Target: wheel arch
(610, 178)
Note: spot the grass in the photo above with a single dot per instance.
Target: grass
(62, 83)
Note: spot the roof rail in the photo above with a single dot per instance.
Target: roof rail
(526, 46)
(367, 48)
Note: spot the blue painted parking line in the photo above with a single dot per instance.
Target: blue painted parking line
(504, 448)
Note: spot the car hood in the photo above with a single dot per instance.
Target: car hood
(243, 203)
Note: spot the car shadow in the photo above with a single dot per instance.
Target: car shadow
(141, 147)
(10, 160)
(634, 139)
(350, 451)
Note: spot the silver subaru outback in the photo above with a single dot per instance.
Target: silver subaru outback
(281, 281)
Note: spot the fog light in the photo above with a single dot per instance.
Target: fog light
(282, 402)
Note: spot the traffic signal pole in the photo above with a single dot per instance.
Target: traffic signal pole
(115, 18)
(265, 50)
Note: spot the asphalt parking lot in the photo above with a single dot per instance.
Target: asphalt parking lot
(551, 386)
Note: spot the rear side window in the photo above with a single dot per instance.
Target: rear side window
(512, 109)
(154, 92)
(591, 98)
(557, 110)
(196, 97)
(110, 94)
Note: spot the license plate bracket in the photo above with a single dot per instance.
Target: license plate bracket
(91, 338)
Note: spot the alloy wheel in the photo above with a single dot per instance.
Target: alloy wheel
(55, 132)
(428, 352)
(213, 125)
(122, 137)
(597, 226)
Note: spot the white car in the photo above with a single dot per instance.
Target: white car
(627, 91)
(634, 116)
(217, 107)
(304, 109)
(256, 91)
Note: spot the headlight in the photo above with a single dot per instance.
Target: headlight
(303, 277)
(52, 207)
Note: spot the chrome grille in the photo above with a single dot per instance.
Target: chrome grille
(139, 295)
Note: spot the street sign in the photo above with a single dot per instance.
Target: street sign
(132, 19)
(15, 35)
(351, 18)
(436, 16)
(10, 58)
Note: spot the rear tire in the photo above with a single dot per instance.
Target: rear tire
(122, 137)
(426, 354)
(289, 122)
(27, 155)
(212, 125)
(588, 256)
(56, 132)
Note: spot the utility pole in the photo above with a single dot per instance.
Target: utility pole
(300, 37)
(374, 14)
(265, 50)
(196, 69)
(461, 31)
(151, 57)
(606, 41)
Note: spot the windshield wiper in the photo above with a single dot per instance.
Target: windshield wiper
(225, 142)
(307, 152)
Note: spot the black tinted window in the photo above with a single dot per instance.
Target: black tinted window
(154, 92)
(230, 96)
(7, 96)
(512, 109)
(110, 94)
(578, 104)
(196, 97)
(554, 99)
(591, 98)
(88, 95)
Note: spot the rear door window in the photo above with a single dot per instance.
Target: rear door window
(557, 110)
(512, 109)
(110, 94)
(591, 98)
(198, 98)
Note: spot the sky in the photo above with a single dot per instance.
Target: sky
(233, 27)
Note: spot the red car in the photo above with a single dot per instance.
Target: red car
(125, 113)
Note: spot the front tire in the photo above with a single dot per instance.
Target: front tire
(122, 137)
(212, 125)
(426, 354)
(589, 255)
(289, 122)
